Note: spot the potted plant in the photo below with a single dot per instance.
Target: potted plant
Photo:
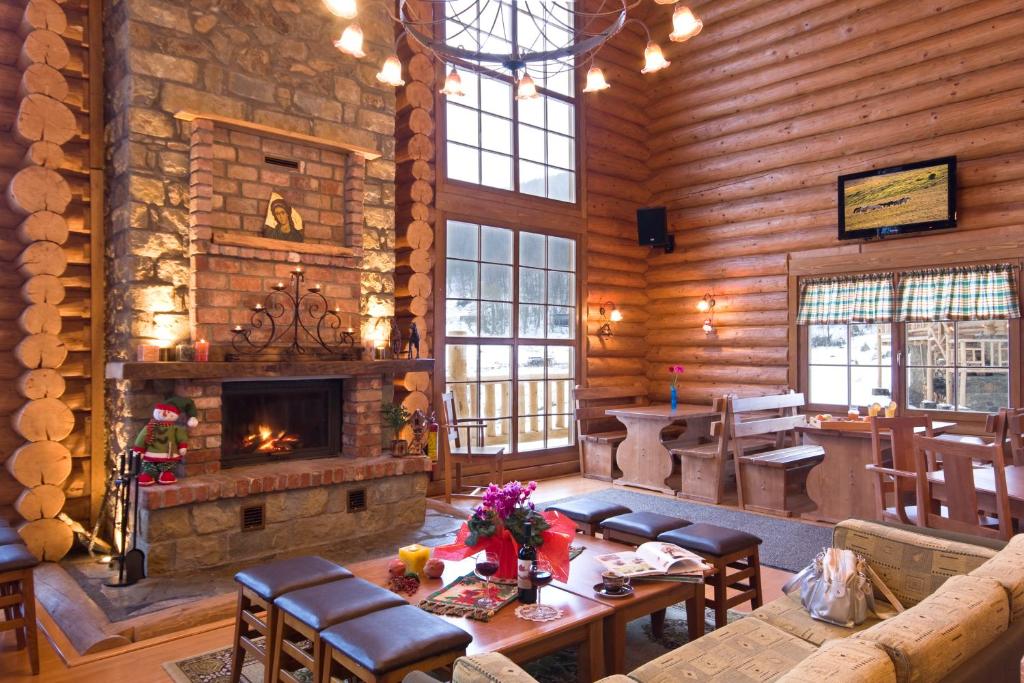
(394, 416)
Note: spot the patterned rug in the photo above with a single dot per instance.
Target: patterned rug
(560, 667)
(788, 544)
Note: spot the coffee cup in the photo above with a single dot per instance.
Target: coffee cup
(614, 583)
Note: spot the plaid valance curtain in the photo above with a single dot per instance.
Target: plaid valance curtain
(968, 293)
(846, 299)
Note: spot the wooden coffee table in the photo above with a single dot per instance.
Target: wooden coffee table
(649, 597)
(582, 624)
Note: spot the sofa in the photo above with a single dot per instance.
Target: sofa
(963, 622)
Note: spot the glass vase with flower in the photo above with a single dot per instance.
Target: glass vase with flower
(675, 371)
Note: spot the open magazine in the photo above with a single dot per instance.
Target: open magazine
(655, 559)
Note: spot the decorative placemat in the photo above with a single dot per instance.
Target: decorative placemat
(459, 597)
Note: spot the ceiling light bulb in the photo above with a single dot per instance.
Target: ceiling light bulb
(654, 60)
(351, 41)
(526, 89)
(346, 9)
(685, 24)
(453, 85)
(391, 72)
(616, 316)
(595, 80)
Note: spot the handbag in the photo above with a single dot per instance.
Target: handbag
(838, 588)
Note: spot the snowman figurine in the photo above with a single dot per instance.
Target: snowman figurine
(162, 443)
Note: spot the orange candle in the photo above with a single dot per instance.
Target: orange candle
(414, 556)
(202, 353)
(147, 353)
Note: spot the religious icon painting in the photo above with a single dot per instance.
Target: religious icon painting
(283, 222)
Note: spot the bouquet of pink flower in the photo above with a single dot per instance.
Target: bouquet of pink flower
(498, 524)
(676, 370)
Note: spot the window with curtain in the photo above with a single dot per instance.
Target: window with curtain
(939, 339)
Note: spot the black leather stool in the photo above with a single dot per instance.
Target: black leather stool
(18, 599)
(383, 646)
(639, 527)
(725, 549)
(588, 514)
(256, 614)
(309, 611)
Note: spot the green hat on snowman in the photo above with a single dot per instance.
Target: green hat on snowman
(179, 405)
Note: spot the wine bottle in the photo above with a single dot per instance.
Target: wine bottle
(527, 558)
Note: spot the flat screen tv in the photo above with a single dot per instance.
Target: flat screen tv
(897, 200)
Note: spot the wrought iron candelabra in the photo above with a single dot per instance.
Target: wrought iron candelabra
(303, 319)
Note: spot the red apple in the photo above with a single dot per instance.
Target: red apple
(396, 567)
(434, 568)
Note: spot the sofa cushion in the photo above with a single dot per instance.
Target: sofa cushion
(912, 565)
(745, 651)
(1008, 569)
(789, 615)
(489, 667)
(845, 660)
(934, 637)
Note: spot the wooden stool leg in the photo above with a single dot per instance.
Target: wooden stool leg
(28, 610)
(755, 580)
(458, 477)
(272, 647)
(238, 652)
(721, 596)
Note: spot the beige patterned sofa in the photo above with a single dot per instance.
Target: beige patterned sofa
(964, 622)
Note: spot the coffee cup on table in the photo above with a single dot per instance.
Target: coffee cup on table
(613, 583)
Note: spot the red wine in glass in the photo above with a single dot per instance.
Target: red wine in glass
(487, 566)
(540, 576)
(486, 569)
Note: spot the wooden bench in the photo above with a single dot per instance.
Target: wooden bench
(599, 434)
(765, 478)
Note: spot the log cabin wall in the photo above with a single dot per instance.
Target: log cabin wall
(51, 161)
(779, 98)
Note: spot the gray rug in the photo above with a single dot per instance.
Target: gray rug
(788, 544)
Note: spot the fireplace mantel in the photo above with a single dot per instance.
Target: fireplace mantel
(250, 369)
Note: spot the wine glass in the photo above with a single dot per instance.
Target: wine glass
(540, 576)
(487, 566)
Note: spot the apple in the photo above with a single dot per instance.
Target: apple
(434, 568)
(396, 567)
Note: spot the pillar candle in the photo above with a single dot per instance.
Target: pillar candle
(414, 556)
(202, 353)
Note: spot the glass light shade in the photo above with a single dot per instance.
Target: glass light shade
(685, 24)
(346, 9)
(453, 85)
(351, 41)
(391, 72)
(703, 306)
(616, 316)
(595, 80)
(526, 89)
(654, 60)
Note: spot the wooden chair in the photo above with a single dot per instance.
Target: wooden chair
(1007, 427)
(599, 434)
(457, 452)
(961, 494)
(763, 479)
(896, 475)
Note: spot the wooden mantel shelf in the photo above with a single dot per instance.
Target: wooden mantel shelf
(252, 369)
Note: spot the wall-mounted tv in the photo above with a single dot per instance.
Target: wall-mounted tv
(901, 199)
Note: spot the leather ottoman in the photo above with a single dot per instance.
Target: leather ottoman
(588, 514)
(639, 527)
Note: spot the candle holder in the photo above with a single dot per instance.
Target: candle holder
(299, 321)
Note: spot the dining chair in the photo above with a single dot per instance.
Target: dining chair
(959, 491)
(896, 475)
(1007, 426)
(457, 451)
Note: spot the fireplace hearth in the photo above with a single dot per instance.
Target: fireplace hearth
(270, 421)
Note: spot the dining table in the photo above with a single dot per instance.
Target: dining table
(985, 485)
(643, 457)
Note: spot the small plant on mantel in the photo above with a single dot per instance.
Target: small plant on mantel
(395, 416)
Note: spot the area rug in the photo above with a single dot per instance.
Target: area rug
(788, 544)
(560, 667)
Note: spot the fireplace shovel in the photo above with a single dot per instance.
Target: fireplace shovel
(131, 564)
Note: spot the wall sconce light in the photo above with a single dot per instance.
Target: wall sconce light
(609, 314)
(707, 305)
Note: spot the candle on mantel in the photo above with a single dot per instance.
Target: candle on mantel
(202, 353)
(414, 556)
(279, 285)
(316, 287)
(147, 353)
(258, 307)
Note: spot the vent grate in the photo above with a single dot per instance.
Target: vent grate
(285, 163)
(357, 500)
(253, 518)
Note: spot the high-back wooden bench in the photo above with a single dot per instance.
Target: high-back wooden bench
(763, 479)
(599, 434)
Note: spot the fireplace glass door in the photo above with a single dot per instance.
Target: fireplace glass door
(280, 420)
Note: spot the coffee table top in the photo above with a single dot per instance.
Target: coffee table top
(505, 630)
(585, 571)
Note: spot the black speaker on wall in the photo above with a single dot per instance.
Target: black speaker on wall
(652, 228)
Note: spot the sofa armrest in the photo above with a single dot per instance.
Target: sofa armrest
(490, 667)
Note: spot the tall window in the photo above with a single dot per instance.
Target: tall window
(961, 366)
(510, 333)
(526, 146)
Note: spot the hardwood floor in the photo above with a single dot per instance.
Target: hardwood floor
(143, 662)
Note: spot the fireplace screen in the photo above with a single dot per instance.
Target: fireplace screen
(280, 420)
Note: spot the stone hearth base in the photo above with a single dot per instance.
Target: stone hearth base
(195, 535)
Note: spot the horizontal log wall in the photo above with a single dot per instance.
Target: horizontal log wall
(776, 100)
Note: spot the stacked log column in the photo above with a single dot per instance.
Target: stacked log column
(40, 196)
(414, 253)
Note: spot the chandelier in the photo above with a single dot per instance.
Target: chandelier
(528, 39)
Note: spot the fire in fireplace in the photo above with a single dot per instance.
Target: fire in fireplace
(279, 419)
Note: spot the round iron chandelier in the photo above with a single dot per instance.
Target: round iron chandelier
(524, 38)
